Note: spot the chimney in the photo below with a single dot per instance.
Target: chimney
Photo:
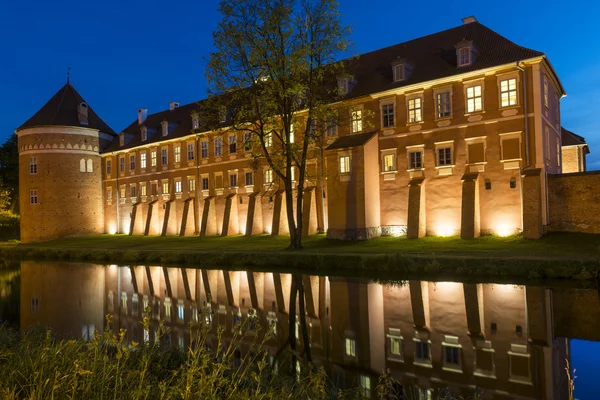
(173, 105)
(142, 115)
(469, 20)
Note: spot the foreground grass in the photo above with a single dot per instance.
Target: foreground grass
(555, 256)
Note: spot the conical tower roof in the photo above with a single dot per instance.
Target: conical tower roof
(61, 110)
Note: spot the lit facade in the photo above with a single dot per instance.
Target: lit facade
(458, 141)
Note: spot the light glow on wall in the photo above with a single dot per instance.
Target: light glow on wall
(112, 228)
(445, 230)
(504, 230)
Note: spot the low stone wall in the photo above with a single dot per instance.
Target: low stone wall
(574, 202)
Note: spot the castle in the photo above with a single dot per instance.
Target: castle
(465, 139)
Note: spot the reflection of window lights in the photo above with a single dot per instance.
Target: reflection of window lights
(167, 308)
(394, 342)
(180, 311)
(272, 322)
(350, 347)
(365, 386)
(124, 303)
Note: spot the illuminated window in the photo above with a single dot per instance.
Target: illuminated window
(292, 133)
(33, 196)
(269, 139)
(387, 114)
(143, 189)
(124, 303)
(218, 147)
(350, 347)
(356, 120)
(177, 152)
(399, 72)
(247, 141)
(415, 110)
(165, 187)
(344, 162)
(204, 183)
(153, 158)
(394, 342)
(508, 92)
(167, 308)
(108, 167)
(293, 174)
(444, 156)
(123, 191)
(82, 165)
(443, 105)
(132, 163)
(122, 164)
(474, 99)
(415, 159)
(143, 160)
(546, 100)
(191, 185)
(249, 178)
(204, 149)
(389, 162)
(365, 386)
(232, 144)
(90, 165)
(190, 151)
(268, 177)
(180, 311)
(233, 180)
(164, 156)
(178, 187)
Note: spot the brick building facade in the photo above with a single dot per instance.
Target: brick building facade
(454, 133)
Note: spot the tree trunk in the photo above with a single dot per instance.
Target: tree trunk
(302, 312)
(292, 321)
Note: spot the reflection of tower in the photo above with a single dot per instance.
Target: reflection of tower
(69, 298)
(60, 182)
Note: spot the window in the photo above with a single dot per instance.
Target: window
(247, 141)
(178, 187)
(395, 346)
(268, 177)
(232, 144)
(292, 133)
(33, 165)
(132, 163)
(398, 72)
(332, 126)
(546, 100)
(387, 114)
(452, 356)
(511, 148)
(109, 193)
(191, 185)
(474, 99)
(135, 304)
(443, 105)
(195, 122)
(190, 151)
(350, 347)
(249, 178)
(356, 120)
(123, 191)
(365, 386)
(90, 165)
(143, 189)
(422, 351)
(144, 134)
(476, 151)
(168, 305)
(153, 158)
(269, 139)
(154, 188)
(108, 167)
(165, 187)
(444, 156)
(143, 160)
(389, 162)
(165, 128)
(165, 156)
(122, 164)
(558, 151)
(547, 140)
(344, 164)
(464, 56)
(180, 313)
(177, 152)
(121, 139)
(124, 302)
(508, 92)
(223, 114)
(82, 165)
(204, 149)
(133, 190)
(204, 183)
(218, 147)
(33, 196)
(415, 159)
(233, 180)
(343, 86)
(415, 110)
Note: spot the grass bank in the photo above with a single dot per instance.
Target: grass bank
(556, 256)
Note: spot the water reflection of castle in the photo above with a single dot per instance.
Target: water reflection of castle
(508, 340)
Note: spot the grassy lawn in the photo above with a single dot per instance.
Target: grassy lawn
(557, 245)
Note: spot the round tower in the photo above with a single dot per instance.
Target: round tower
(60, 170)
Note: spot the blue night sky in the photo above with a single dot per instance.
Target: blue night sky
(130, 54)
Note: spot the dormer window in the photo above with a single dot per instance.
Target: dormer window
(223, 114)
(465, 53)
(165, 128)
(82, 113)
(195, 121)
(144, 133)
(343, 86)
(122, 139)
(399, 72)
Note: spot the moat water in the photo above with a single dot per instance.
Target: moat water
(506, 340)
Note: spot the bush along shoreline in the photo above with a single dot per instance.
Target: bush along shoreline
(376, 265)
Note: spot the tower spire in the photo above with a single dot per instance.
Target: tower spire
(69, 75)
